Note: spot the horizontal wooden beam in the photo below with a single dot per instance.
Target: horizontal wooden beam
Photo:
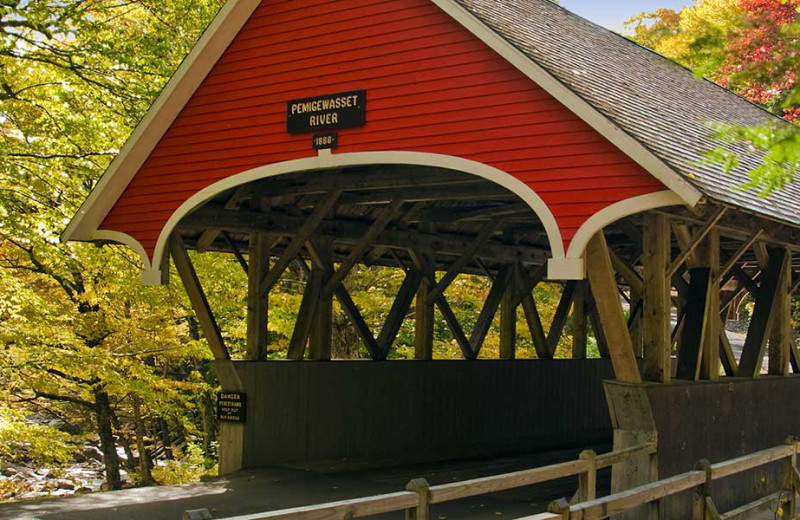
(435, 193)
(740, 225)
(384, 177)
(351, 232)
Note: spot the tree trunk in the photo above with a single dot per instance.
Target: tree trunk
(102, 408)
(130, 463)
(209, 424)
(166, 441)
(144, 457)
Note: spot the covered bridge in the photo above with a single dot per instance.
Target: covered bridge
(513, 140)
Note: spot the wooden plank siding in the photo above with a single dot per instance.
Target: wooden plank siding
(432, 87)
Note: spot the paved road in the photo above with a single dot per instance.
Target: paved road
(271, 489)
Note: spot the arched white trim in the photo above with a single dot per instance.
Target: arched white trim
(615, 212)
(326, 161)
(124, 239)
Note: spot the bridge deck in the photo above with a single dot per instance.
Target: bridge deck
(270, 489)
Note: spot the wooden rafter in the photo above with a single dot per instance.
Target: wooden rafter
(627, 272)
(747, 282)
(733, 260)
(209, 235)
(456, 267)
(384, 217)
(304, 233)
(236, 253)
(696, 240)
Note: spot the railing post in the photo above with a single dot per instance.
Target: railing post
(700, 493)
(587, 482)
(559, 507)
(789, 481)
(655, 507)
(421, 487)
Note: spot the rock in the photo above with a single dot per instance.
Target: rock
(92, 453)
(10, 471)
(63, 483)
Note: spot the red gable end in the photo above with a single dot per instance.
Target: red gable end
(432, 87)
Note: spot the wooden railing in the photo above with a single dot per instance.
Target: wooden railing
(419, 495)
(699, 480)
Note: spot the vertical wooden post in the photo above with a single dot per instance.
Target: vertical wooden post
(780, 335)
(710, 361)
(423, 315)
(508, 319)
(257, 301)
(321, 336)
(656, 299)
(609, 308)
(421, 487)
(579, 322)
(789, 469)
(587, 482)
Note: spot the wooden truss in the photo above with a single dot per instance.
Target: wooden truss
(436, 225)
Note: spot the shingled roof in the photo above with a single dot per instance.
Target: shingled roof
(656, 101)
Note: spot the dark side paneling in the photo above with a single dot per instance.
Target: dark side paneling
(360, 413)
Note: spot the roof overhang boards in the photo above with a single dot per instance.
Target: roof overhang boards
(567, 263)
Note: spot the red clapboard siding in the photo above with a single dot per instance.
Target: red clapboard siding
(432, 87)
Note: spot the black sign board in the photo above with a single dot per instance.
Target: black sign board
(326, 141)
(232, 406)
(332, 112)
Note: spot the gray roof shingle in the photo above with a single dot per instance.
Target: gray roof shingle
(658, 102)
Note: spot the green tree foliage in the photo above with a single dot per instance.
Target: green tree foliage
(753, 48)
(81, 341)
(78, 335)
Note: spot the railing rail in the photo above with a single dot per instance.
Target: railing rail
(418, 497)
(698, 480)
